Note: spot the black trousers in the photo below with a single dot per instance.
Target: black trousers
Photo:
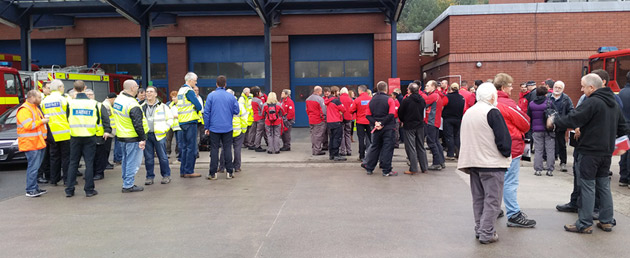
(561, 146)
(59, 160)
(335, 135)
(223, 140)
(101, 157)
(576, 201)
(381, 150)
(451, 136)
(44, 168)
(365, 138)
(86, 147)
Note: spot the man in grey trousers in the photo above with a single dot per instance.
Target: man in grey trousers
(316, 111)
(411, 114)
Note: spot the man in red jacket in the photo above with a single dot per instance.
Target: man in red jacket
(360, 106)
(289, 111)
(326, 96)
(433, 120)
(346, 141)
(468, 96)
(335, 112)
(316, 111)
(259, 120)
(518, 124)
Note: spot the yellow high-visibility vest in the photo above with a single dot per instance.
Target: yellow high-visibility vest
(185, 109)
(54, 107)
(112, 122)
(83, 117)
(99, 127)
(124, 127)
(162, 120)
(239, 122)
(247, 102)
(175, 125)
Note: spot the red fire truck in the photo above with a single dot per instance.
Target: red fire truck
(616, 63)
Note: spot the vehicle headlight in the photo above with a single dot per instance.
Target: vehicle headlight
(15, 143)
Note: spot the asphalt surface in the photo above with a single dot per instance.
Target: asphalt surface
(294, 205)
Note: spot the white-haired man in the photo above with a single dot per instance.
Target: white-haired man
(188, 107)
(346, 139)
(563, 105)
(485, 155)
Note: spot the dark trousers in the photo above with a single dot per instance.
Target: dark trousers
(594, 179)
(44, 168)
(451, 135)
(225, 140)
(433, 134)
(169, 141)
(81, 147)
(102, 156)
(59, 160)
(624, 172)
(414, 147)
(286, 135)
(576, 200)
(365, 138)
(237, 144)
(381, 150)
(487, 193)
(561, 146)
(336, 132)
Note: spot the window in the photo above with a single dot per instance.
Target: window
(597, 64)
(306, 69)
(331, 69)
(360, 68)
(302, 93)
(131, 69)
(158, 71)
(109, 68)
(231, 70)
(10, 83)
(623, 67)
(610, 67)
(254, 70)
(206, 70)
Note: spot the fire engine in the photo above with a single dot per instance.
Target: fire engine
(16, 83)
(616, 63)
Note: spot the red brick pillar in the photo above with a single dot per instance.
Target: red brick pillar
(76, 52)
(382, 57)
(280, 64)
(177, 54)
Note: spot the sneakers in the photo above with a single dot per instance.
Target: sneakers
(339, 158)
(623, 183)
(35, 193)
(91, 193)
(549, 173)
(192, 175)
(538, 173)
(443, 165)
(435, 167)
(494, 238)
(563, 167)
(573, 228)
(165, 180)
(132, 189)
(392, 173)
(229, 175)
(212, 177)
(501, 214)
(285, 149)
(450, 158)
(605, 227)
(520, 220)
(259, 149)
(148, 181)
(567, 207)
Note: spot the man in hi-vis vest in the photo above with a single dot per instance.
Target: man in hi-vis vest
(188, 108)
(86, 121)
(159, 120)
(131, 129)
(54, 107)
(31, 131)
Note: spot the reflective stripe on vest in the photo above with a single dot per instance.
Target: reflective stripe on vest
(124, 126)
(185, 109)
(160, 118)
(54, 108)
(83, 117)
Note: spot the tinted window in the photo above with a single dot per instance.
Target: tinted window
(206, 70)
(10, 82)
(158, 71)
(597, 64)
(254, 70)
(302, 93)
(131, 69)
(359, 68)
(331, 69)
(306, 69)
(623, 67)
(610, 67)
(231, 70)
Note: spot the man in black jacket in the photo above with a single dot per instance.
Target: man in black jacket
(452, 120)
(563, 105)
(411, 114)
(624, 163)
(600, 121)
(381, 117)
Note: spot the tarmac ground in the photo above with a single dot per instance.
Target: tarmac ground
(295, 205)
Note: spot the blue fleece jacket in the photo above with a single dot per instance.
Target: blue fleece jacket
(218, 112)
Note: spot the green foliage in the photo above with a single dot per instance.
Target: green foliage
(418, 14)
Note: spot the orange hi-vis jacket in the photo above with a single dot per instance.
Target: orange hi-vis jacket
(30, 128)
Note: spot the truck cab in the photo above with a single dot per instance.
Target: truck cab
(11, 88)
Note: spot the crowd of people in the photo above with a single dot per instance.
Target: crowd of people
(480, 126)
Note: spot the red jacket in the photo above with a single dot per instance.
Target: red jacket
(335, 111)
(263, 97)
(257, 105)
(434, 108)
(279, 114)
(347, 103)
(516, 120)
(289, 108)
(523, 103)
(315, 109)
(360, 106)
(397, 106)
(469, 97)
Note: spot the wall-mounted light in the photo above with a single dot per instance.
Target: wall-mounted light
(478, 64)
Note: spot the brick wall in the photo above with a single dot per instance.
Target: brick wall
(177, 54)
(280, 65)
(408, 60)
(382, 59)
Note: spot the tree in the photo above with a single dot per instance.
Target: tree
(418, 14)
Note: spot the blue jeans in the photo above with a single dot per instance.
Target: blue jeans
(154, 146)
(188, 151)
(510, 186)
(131, 159)
(117, 151)
(34, 159)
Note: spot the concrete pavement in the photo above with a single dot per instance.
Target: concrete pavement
(295, 205)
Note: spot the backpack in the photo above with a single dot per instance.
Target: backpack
(549, 111)
(272, 113)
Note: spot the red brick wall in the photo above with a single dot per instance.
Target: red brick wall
(177, 54)
(280, 65)
(76, 52)
(408, 60)
(382, 59)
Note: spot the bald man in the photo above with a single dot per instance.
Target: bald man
(316, 110)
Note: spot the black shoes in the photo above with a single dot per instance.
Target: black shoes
(520, 220)
(435, 167)
(109, 166)
(549, 173)
(319, 153)
(42, 180)
(69, 194)
(259, 149)
(339, 158)
(90, 194)
(35, 193)
(134, 188)
(567, 207)
(269, 152)
(501, 214)
(251, 148)
(98, 177)
(285, 149)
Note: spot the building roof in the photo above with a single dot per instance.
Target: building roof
(529, 8)
(408, 36)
